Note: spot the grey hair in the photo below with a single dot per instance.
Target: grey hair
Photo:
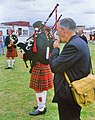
(68, 23)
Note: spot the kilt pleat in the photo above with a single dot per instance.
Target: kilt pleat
(13, 53)
(41, 77)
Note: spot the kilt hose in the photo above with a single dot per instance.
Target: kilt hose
(41, 77)
(12, 54)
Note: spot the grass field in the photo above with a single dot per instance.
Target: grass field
(17, 99)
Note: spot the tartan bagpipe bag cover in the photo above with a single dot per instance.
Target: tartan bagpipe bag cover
(83, 90)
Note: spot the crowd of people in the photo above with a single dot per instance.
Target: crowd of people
(74, 59)
(92, 36)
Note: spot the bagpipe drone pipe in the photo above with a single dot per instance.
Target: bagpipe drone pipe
(36, 47)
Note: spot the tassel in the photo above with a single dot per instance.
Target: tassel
(34, 48)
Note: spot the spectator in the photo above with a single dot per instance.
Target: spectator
(75, 61)
(1, 43)
(81, 34)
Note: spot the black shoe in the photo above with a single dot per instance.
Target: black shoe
(8, 68)
(37, 112)
(35, 107)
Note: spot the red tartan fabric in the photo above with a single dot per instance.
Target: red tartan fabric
(12, 54)
(41, 78)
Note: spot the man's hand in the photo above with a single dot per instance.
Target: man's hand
(56, 44)
(21, 55)
(9, 45)
(11, 42)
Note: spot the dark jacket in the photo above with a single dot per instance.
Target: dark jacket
(39, 56)
(7, 41)
(84, 38)
(75, 61)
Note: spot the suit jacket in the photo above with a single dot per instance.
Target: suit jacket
(84, 38)
(74, 59)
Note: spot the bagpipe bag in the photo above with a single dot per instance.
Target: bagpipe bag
(42, 43)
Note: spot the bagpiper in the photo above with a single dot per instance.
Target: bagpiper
(41, 79)
(11, 52)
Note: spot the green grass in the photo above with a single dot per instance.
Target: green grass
(17, 99)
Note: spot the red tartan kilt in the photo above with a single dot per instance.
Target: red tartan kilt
(41, 78)
(12, 54)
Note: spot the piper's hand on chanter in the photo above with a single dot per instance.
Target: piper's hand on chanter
(11, 42)
(21, 55)
(9, 45)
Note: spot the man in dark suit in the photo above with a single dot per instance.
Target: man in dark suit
(74, 59)
(81, 34)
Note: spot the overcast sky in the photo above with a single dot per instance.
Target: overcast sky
(82, 11)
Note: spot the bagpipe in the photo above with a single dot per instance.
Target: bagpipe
(12, 40)
(36, 47)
